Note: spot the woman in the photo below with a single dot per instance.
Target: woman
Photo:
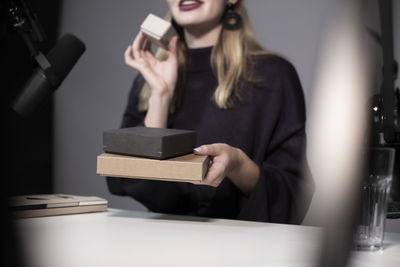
(245, 104)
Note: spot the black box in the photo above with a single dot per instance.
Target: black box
(155, 143)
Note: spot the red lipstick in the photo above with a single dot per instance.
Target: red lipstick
(187, 5)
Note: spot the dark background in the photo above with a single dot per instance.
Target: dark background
(26, 143)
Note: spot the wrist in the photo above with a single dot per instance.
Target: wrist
(239, 159)
(160, 99)
(157, 112)
(245, 172)
(162, 91)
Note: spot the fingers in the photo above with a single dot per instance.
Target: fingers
(160, 74)
(211, 150)
(138, 65)
(172, 50)
(147, 45)
(128, 58)
(214, 176)
(223, 159)
(216, 172)
(141, 46)
(147, 53)
(138, 44)
(172, 45)
(140, 49)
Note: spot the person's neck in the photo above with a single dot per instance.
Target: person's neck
(198, 38)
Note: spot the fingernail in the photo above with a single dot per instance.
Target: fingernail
(197, 149)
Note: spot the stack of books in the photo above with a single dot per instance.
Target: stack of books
(151, 153)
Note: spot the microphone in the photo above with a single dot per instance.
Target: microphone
(62, 57)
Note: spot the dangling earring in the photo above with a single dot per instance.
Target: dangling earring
(231, 19)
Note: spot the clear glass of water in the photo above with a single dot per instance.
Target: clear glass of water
(375, 190)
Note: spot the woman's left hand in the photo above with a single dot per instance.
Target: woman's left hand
(231, 162)
(224, 160)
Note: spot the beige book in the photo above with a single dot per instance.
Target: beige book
(187, 168)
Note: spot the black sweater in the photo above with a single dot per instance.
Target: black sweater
(267, 123)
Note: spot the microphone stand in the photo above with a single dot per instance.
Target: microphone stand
(385, 13)
(25, 21)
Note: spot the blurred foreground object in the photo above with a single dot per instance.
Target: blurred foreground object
(337, 129)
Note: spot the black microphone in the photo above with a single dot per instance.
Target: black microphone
(62, 57)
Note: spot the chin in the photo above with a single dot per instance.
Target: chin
(185, 18)
(187, 22)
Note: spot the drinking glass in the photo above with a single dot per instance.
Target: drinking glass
(375, 190)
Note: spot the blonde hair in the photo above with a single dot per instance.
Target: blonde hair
(232, 59)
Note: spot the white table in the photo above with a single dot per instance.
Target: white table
(128, 238)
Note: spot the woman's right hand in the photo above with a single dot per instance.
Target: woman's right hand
(160, 75)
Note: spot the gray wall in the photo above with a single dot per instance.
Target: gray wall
(93, 96)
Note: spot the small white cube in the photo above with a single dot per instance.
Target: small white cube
(157, 30)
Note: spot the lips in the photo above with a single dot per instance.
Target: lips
(187, 5)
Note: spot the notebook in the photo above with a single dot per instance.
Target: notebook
(55, 204)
